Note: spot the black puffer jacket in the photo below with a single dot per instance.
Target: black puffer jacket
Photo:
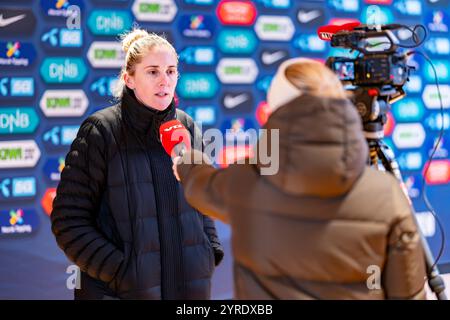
(120, 215)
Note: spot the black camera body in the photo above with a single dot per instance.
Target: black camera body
(376, 76)
(371, 70)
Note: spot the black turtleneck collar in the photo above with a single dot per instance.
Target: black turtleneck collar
(142, 119)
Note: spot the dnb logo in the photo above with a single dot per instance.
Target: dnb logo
(197, 86)
(18, 221)
(62, 38)
(409, 109)
(17, 87)
(60, 8)
(59, 136)
(109, 22)
(63, 70)
(16, 54)
(196, 26)
(18, 187)
(53, 168)
(18, 120)
(237, 41)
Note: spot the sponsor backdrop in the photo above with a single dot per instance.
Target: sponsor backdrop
(59, 60)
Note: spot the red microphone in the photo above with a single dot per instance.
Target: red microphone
(326, 32)
(175, 138)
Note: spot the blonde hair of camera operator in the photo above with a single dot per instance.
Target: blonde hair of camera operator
(297, 76)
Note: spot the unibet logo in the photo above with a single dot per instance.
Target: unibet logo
(409, 135)
(64, 103)
(106, 54)
(18, 154)
(431, 99)
(154, 10)
(237, 70)
(274, 28)
(18, 120)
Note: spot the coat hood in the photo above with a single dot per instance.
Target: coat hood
(322, 149)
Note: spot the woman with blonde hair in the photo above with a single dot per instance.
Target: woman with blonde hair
(325, 226)
(119, 214)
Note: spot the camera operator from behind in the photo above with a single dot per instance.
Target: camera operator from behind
(325, 226)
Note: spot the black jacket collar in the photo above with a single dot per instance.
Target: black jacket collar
(144, 120)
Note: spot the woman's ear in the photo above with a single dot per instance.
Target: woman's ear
(129, 81)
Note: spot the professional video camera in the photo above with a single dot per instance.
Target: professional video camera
(376, 76)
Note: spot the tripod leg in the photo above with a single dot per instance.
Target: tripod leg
(435, 280)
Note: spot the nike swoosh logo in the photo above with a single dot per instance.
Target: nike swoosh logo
(6, 22)
(270, 58)
(231, 102)
(308, 16)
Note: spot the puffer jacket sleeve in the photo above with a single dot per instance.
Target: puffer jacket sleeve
(404, 273)
(77, 202)
(204, 186)
(208, 223)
